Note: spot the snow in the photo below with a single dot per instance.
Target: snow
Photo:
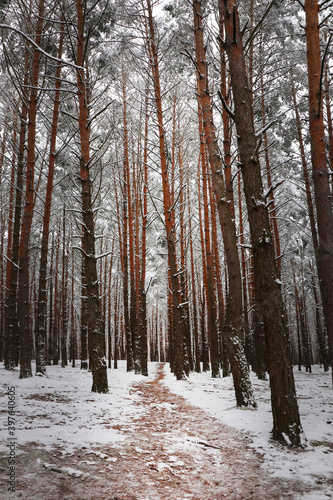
(68, 470)
(315, 397)
(59, 410)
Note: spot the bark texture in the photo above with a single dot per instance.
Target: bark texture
(231, 329)
(11, 322)
(24, 299)
(320, 174)
(286, 420)
(40, 327)
(94, 313)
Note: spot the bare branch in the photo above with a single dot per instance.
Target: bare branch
(36, 46)
(256, 28)
(322, 74)
(225, 105)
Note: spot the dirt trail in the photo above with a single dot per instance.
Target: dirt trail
(173, 451)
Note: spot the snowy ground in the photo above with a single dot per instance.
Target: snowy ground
(315, 396)
(47, 407)
(57, 415)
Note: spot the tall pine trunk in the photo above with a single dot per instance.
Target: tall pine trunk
(196, 358)
(40, 330)
(8, 340)
(323, 199)
(286, 420)
(323, 347)
(246, 325)
(178, 320)
(132, 360)
(209, 283)
(232, 327)
(24, 299)
(94, 312)
(205, 354)
(143, 293)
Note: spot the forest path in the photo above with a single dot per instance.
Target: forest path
(172, 451)
(179, 452)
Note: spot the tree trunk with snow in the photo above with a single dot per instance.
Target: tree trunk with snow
(94, 313)
(286, 421)
(11, 344)
(40, 329)
(24, 300)
(142, 286)
(231, 329)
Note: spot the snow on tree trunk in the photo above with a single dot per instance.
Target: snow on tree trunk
(40, 327)
(231, 330)
(24, 300)
(94, 313)
(286, 421)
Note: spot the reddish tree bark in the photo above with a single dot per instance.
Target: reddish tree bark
(209, 283)
(286, 420)
(231, 330)
(24, 302)
(305, 167)
(179, 334)
(324, 257)
(40, 330)
(329, 118)
(94, 313)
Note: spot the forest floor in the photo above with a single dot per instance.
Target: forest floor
(169, 449)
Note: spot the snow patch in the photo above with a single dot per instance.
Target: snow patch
(315, 399)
